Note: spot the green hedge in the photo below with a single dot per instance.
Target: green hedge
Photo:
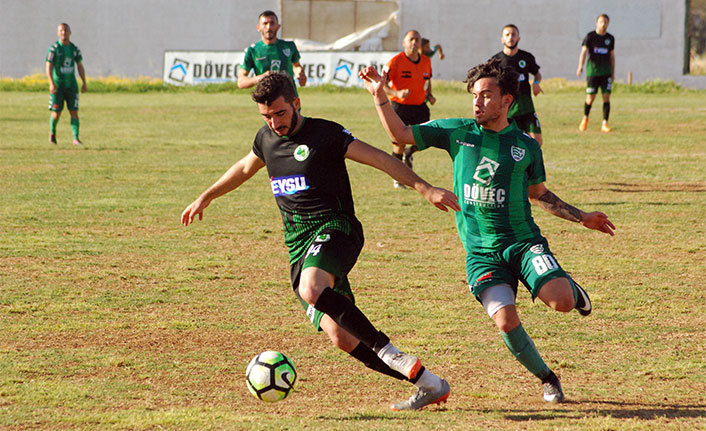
(111, 84)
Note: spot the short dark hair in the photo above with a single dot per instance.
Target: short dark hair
(511, 26)
(425, 41)
(268, 13)
(506, 78)
(272, 86)
(604, 16)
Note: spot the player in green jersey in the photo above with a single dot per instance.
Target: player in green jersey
(427, 50)
(270, 54)
(61, 61)
(305, 160)
(599, 47)
(497, 171)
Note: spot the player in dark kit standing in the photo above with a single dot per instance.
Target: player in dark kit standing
(522, 62)
(498, 170)
(63, 58)
(305, 159)
(600, 69)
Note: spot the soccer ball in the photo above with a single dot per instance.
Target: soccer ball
(270, 376)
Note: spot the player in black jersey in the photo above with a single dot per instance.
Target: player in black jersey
(599, 47)
(305, 159)
(522, 62)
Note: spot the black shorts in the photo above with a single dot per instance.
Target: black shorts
(593, 83)
(528, 123)
(412, 114)
(336, 253)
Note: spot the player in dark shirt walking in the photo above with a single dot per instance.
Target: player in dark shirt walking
(522, 62)
(599, 46)
(305, 159)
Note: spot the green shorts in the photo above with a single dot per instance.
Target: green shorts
(336, 253)
(530, 262)
(64, 94)
(593, 83)
(528, 123)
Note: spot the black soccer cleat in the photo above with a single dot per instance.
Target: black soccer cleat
(552, 389)
(583, 302)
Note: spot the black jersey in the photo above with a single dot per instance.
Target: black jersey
(599, 48)
(523, 63)
(309, 180)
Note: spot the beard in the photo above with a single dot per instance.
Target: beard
(292, 126)
(511, 46)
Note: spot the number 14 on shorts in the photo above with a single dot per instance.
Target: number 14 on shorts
(313, 250)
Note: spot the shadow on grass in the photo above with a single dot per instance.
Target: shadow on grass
(689, 187)
(386, 416)
(619, 410)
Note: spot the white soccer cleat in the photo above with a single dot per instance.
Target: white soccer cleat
(423, 398)
(405, 364)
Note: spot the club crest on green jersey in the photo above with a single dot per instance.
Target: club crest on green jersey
(301, 153)
(517, 153)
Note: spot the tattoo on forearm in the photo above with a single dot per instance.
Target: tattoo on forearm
(551, 202)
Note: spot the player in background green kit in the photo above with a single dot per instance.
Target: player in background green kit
(427, 50)
(599, 46)
(270, 54)
(497, 171)
(63, 58)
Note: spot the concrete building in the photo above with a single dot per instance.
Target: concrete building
(128, 37)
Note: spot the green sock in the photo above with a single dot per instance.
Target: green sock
(522, 346)
(74, 127)
(52, 125)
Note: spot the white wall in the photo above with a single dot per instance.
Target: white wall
(123, 37)
(649, 33)
(128, 37)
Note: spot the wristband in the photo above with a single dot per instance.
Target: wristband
(536, 82)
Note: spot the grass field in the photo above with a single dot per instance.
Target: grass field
(115, 317)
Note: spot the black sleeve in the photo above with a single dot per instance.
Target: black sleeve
(257, 146)
(533, 66)
(345, 137)
(586, 41)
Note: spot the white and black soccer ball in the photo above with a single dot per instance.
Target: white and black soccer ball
(270, 376)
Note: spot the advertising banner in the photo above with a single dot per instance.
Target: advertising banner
(330, 67)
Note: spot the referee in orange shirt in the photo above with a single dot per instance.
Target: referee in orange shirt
(408, 86)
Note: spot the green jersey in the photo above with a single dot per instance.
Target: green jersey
(278, 57)
(492, 172)
(64, 59)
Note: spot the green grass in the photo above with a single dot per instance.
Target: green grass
(115, 317)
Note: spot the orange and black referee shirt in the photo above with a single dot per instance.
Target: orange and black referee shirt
(403, 73)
